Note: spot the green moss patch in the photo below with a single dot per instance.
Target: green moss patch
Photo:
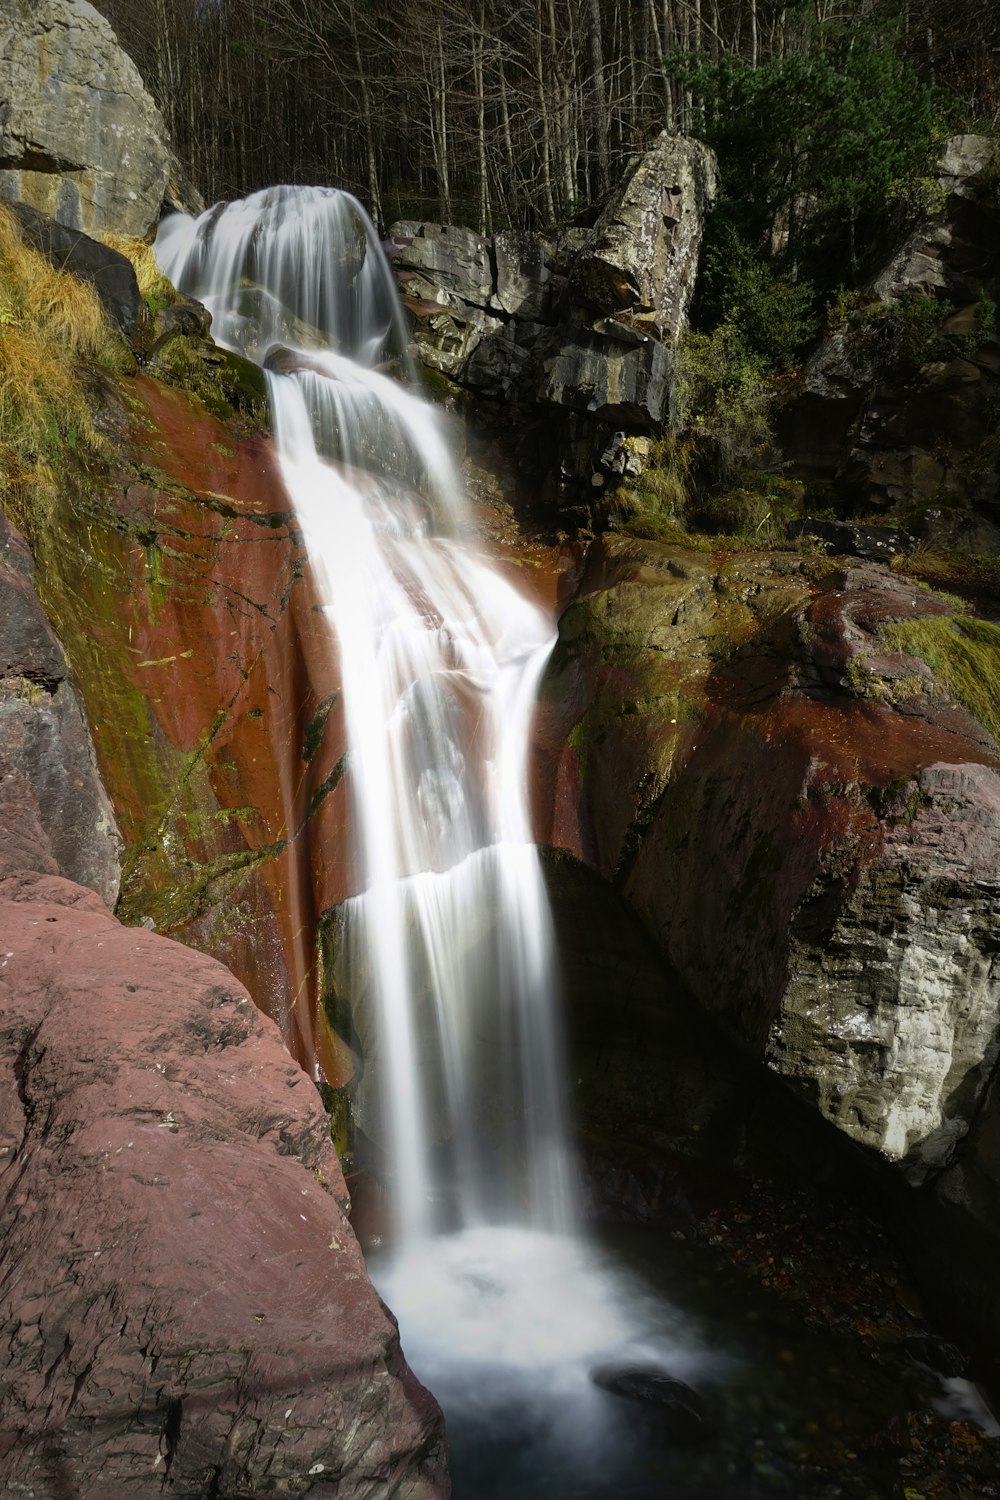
(963, 654)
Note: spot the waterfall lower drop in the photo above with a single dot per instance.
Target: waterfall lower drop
(501, 1303)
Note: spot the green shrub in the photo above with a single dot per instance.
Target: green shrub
(774, 315)
(722, 400)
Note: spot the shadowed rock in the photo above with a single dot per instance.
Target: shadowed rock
(51, 797)
(107, 271)
(682, 1412)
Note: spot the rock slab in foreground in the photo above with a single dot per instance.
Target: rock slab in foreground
(81, 139)
(184, 1303)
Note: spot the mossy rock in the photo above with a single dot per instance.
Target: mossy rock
(230, 387)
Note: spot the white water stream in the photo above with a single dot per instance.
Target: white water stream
(450, 933)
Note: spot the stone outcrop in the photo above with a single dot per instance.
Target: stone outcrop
(55, 813)
(900, 426)
(642, 255)
(184, 1304)
(612, 372)
(570, 324)
(81, 140)
(808, 822)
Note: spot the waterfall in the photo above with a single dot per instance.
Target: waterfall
(504, 1309)
(449, 933)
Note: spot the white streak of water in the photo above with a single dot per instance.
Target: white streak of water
(450, 934)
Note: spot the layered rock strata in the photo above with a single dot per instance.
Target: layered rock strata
(575, 327)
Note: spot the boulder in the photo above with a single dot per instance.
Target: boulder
(184, 1303)
(642, 254)
(841, 538)
(682, 1412)
(833, 804)
(81, 139)
(54, 813)
(612, 372)
(959, 530)
(108, 271)
(808, 821)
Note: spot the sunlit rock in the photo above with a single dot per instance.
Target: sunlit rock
(642, 255)
(81, 138)
(455, 259)
(183, 1298)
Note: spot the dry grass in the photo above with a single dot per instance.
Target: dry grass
(153, 285)
(50, 321)
(55, 305)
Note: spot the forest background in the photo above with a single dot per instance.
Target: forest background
(824, 116)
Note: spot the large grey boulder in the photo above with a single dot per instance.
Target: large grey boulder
(642, 255)
(80, 138)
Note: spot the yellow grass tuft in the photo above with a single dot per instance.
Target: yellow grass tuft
(50, 320)
(153, 285)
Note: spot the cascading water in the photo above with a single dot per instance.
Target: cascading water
(449, 934)
(440, 661)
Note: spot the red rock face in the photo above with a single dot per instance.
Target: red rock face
(183, 1301)
(183, 598)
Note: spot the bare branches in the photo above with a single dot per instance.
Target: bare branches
(505, 111)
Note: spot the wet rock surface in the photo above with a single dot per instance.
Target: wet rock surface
(221, 762)
(184, 1303)
(681, 1411)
